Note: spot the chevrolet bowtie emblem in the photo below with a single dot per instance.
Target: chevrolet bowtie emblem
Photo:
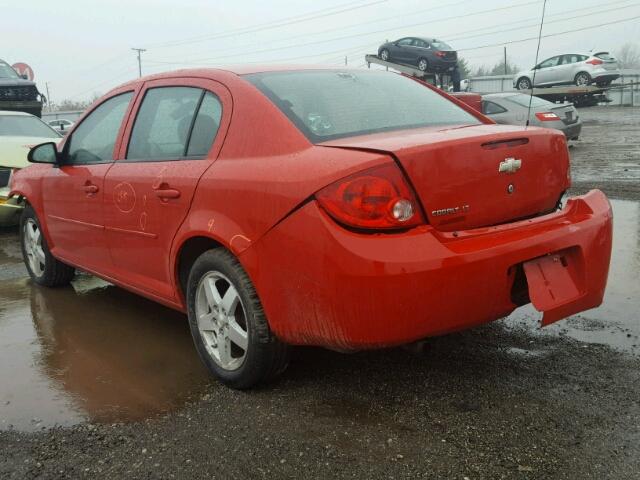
(510, 165)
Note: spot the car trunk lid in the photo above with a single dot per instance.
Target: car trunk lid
(567, 113)
(476, 176)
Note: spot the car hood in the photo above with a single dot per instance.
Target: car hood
(14, 150)
(15, 82)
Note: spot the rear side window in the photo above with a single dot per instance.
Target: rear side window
(491, 108)
(93, 140)
(167, 127)
(328, 104)
(161, 129)
(206, 126)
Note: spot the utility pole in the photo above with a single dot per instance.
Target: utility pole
(505, 60)
(139, 50)
(345, 59)
(46, 84)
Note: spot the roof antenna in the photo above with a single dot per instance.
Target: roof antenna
(533, 81)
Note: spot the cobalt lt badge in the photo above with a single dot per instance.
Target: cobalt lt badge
(510, 165)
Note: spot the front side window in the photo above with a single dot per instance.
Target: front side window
(551, 62)
(330, 104)
(163, 124)
(25, 126)
(94, 139)
(405, 42)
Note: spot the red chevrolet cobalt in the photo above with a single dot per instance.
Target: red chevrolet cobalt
(299, 206)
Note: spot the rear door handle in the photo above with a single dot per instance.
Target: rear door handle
(90, 188)
(165, 192)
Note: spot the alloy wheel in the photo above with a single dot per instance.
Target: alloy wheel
(222, 320)
(524, 84)
(422, 65)
(32, 240)
(384, 55)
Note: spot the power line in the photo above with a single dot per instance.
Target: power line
(546, 23)
(270, 25)
(345, 37)
(242, 48)
(551, 34)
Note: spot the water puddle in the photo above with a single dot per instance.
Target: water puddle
(93, 353)
(617, 321)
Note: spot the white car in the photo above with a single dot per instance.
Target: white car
(61, 125)
(570, 69)
(19, 132)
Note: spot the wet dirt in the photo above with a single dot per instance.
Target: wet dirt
(506, 400)
(90, 353)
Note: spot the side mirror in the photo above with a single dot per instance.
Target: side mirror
(44, 153)
(24, 76)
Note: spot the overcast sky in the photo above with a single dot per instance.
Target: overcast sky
(83, 47)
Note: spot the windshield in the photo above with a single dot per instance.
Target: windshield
(7, 72)
(22, 126)
(329, 104)
(523, 100)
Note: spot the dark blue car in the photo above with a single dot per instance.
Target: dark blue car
(428, 54)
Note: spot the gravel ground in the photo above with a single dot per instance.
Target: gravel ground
(501, 401)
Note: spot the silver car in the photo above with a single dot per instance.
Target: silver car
(570, 69)
(511, 108)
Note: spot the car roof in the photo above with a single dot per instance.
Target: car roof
(17, 114)
(233, 70)
(502, 95)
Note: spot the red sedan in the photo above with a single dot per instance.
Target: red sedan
(342, 208)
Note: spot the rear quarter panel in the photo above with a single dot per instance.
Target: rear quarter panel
(265, 170)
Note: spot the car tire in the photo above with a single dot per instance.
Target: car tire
(385, 55)
(523, 83)
(582, 79)
(228, 324)
(43, 268)
(423, 64)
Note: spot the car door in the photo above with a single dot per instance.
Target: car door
(73, 192)
(403, 50)
(566, 70)
(545, 71)
(177, 132)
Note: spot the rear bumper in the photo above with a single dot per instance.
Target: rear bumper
(10, 209)
(323, 285)
(573, 130)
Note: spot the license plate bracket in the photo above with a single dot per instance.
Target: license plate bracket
(555, 282)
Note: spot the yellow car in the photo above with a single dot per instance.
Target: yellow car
(18, 133)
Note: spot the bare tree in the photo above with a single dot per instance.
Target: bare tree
(629, 55)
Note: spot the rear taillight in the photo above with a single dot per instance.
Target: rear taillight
(594, 61)
(547, 116)
(379, 199)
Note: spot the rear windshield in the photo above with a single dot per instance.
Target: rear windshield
(523, 100)
(329, 104)
(437, 44)
(604, 56)
(22, 126)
